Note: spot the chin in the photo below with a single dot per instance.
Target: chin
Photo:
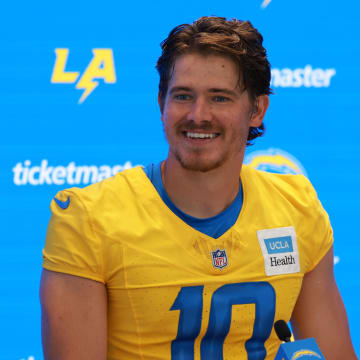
(198, 164)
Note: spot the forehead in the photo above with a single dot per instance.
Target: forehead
(205, 71)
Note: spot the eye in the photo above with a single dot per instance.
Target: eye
(182, 97)
(220, 98)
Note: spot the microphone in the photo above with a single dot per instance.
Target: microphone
(282, 331)
(288, 350)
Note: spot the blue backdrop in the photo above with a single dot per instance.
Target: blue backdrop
(78, 95)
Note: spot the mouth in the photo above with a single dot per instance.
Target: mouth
(200, 135)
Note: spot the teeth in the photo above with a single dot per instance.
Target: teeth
(200, 135)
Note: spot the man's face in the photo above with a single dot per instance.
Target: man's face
(206, 114)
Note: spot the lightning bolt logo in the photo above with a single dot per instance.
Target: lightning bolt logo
(101, 66)
(87, 84)
(302, 353)
(265, 3)
(275, 160)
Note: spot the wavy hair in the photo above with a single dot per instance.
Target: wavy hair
(233, 38)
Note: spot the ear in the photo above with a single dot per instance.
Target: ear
(160, 102)
(259, 110)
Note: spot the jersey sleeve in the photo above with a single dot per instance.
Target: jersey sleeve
(71, 245)
(318, 228)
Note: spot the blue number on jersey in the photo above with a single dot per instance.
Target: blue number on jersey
(189, 302)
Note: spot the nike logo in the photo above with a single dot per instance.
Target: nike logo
(63, 204)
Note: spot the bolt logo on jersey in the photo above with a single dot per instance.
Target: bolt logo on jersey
(101, 66)
(274, 161)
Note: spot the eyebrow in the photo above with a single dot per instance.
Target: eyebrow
(224, 91)
(212, 90)
(179, 88)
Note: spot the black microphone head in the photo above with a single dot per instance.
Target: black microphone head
(282, 330)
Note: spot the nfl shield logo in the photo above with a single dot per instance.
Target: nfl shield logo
(219, 258)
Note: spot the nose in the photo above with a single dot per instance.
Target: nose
(199, 111)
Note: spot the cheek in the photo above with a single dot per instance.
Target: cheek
(165, 116)
(170, 116)
(240, 123)
(238, 130)
(167, 123)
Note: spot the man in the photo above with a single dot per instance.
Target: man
(186, 259)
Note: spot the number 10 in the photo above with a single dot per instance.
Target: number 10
(190, 303)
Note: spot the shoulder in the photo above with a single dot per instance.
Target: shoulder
(122, 182)
(287, 193)
(290, 200)
(274, 179)
(116, 191)
(294, 188)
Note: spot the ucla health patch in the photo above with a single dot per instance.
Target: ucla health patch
(280, 251)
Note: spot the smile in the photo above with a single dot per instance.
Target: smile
(195, 135)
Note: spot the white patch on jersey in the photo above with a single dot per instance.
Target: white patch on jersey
(280, 251)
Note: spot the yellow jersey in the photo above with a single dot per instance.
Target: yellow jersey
(176, 293)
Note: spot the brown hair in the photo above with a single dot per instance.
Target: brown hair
(236, 39)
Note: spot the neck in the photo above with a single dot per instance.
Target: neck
(199, 194)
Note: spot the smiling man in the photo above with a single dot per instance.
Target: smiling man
(195, 257)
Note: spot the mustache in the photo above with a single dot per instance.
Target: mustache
(189, 125)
